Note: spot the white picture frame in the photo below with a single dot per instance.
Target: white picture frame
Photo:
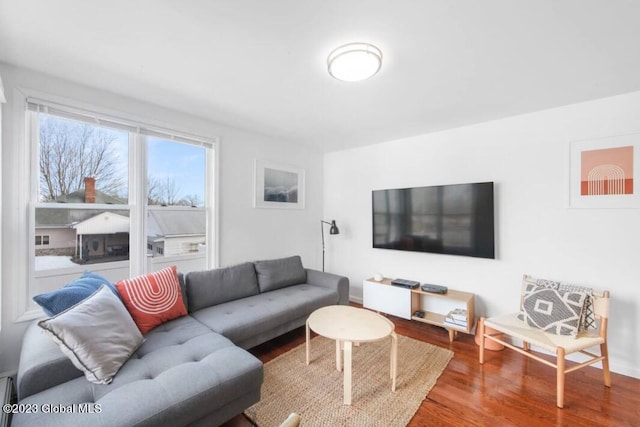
(278, 185)
(596, 164)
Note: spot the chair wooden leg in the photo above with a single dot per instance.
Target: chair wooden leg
(605, 364)
(560, 377)
(481, 332)
(526, 346)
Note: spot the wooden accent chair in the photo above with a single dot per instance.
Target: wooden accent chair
(560, 345)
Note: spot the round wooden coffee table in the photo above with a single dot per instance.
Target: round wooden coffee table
(348, 325)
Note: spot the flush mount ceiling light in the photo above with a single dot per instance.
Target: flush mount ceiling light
(354, 62)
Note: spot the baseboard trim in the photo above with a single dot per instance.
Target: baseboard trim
(355, 299)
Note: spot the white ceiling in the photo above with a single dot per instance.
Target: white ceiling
(261, 65)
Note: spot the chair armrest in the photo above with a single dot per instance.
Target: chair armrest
(332, 281)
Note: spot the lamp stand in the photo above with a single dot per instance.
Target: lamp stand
(322, 234)
(332, 230)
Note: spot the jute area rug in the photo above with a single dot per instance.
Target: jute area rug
(315, 391)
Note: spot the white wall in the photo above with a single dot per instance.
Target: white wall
(528, 159)
(245, 233)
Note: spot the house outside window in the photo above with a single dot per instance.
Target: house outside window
(89, 215)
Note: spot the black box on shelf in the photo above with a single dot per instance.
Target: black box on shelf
(434, 289)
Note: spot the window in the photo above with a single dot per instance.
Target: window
(106, 189)
(176, 214)
(83, 168)
(42, 240)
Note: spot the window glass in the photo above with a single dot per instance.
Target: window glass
(80, 237)
(84, 210)
(175, 173)
(81, 163)
(176, 227)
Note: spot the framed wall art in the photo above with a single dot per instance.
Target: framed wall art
(605, 172)
(278, 185)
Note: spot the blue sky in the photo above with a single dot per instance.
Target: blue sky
(183, 163)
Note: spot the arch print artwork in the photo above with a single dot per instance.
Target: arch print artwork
(604, 172)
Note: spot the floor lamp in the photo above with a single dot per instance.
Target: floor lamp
(332, 230)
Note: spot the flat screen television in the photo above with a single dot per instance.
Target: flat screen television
(446, 219)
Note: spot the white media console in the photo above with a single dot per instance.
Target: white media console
(403, 302)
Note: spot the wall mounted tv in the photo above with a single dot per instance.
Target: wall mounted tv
(446, 219)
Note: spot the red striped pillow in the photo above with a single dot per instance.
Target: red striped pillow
(153, 299)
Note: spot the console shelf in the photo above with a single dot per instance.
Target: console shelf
(402, 302)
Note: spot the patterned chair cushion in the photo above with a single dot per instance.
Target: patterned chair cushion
(551, 310)
(588, 318)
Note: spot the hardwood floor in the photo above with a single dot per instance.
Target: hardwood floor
(508, 390)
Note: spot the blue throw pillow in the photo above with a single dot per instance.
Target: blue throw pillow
(57, 301)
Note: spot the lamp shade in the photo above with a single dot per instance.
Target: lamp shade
(334, 228)
(353, 62)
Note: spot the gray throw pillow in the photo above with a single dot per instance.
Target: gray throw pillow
(98, 335)
(280, 273)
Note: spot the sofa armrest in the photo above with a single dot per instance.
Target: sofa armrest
(329, 280)
(42, 363)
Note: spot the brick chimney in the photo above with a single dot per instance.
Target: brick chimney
(89, 190)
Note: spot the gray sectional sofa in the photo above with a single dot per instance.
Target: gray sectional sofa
(193, 370)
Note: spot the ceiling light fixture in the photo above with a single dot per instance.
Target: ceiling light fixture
(353, 62)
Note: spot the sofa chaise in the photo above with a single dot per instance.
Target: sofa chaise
(193, 370)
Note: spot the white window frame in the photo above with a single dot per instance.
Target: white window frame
(2, 101)
(23, 129)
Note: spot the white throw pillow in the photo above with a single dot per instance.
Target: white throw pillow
(97, 334)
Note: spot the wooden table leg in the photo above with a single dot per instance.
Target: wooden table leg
(308, 335)
(347, 372)
(394, 360)
(339, 346)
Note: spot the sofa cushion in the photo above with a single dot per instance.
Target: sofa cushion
(244, 319)
(183, 289)
(153, 298)
(97, 334)
(217, 286)
(180, 375)
(280, 273)
(57, 301)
